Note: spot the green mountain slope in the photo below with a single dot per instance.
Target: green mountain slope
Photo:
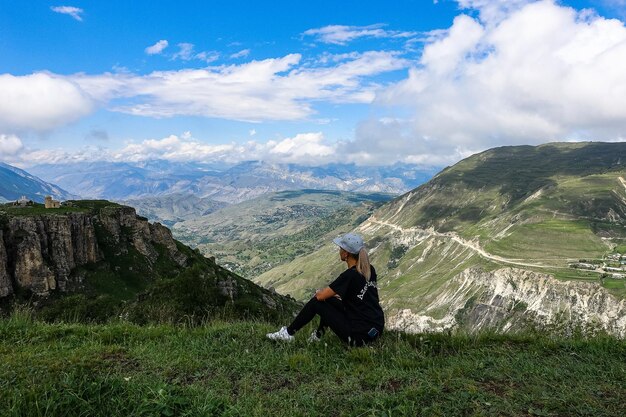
(510, 212)
(252, 237)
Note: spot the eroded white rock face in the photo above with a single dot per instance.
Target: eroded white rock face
(405, 320)
(511, 298)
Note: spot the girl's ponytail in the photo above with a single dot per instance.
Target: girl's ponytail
(363, 264)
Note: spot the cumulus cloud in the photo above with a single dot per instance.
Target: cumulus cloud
(341, 35)
(10, 145)
(542, 73)
(157, 48)
(75, 12)
(306, 148)
(303, 148)
(40, 102)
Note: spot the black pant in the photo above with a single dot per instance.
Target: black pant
(333, 315)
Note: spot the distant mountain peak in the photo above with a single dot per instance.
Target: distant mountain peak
(15, 182)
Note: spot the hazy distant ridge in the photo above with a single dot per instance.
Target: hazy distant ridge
(15, 183)
(231, 184)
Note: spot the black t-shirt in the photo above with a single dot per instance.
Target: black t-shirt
(360, 299)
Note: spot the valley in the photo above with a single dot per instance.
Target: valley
(255, 236)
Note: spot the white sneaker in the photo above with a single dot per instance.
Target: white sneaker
(314, 338)
(282, 334)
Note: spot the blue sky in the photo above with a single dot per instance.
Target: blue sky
(421, 81)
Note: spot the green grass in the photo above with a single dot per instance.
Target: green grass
(39, 209)
(551, 241)
(615, 286)
(70, 206)
(230, 369)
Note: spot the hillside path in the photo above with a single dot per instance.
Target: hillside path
(467, 243)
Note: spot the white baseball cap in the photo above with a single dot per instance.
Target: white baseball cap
(350, 242)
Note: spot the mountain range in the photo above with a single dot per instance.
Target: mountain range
(489, 241)
(224, 183)
(495, 241)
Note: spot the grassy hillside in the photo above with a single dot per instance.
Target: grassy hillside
(252, 237)
(230, 369)
(546, 206)
(534, 208)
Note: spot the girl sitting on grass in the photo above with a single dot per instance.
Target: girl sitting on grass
(349, 305)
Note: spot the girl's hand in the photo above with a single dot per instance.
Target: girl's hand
(324, 294)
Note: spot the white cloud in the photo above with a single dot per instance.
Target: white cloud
(186, 53)
(157, 48)
(303, 148)
(241, 54)
(341, 35)
(75, 12)
(40, 102)
(271, 89)
(10, 145)
(208, 57)
(252, 132)
(542, 73)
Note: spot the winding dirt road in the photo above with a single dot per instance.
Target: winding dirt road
(467, 243)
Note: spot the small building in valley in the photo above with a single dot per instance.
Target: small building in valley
(52, 204)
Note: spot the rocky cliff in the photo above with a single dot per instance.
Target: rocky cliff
(93, 260)
(512, 298)
(6, 288)
(38, 253)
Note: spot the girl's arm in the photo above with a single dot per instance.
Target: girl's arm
(324, 294)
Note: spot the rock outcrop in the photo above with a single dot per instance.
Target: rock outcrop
(5, 280)
(511, 298)
(38, 253)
